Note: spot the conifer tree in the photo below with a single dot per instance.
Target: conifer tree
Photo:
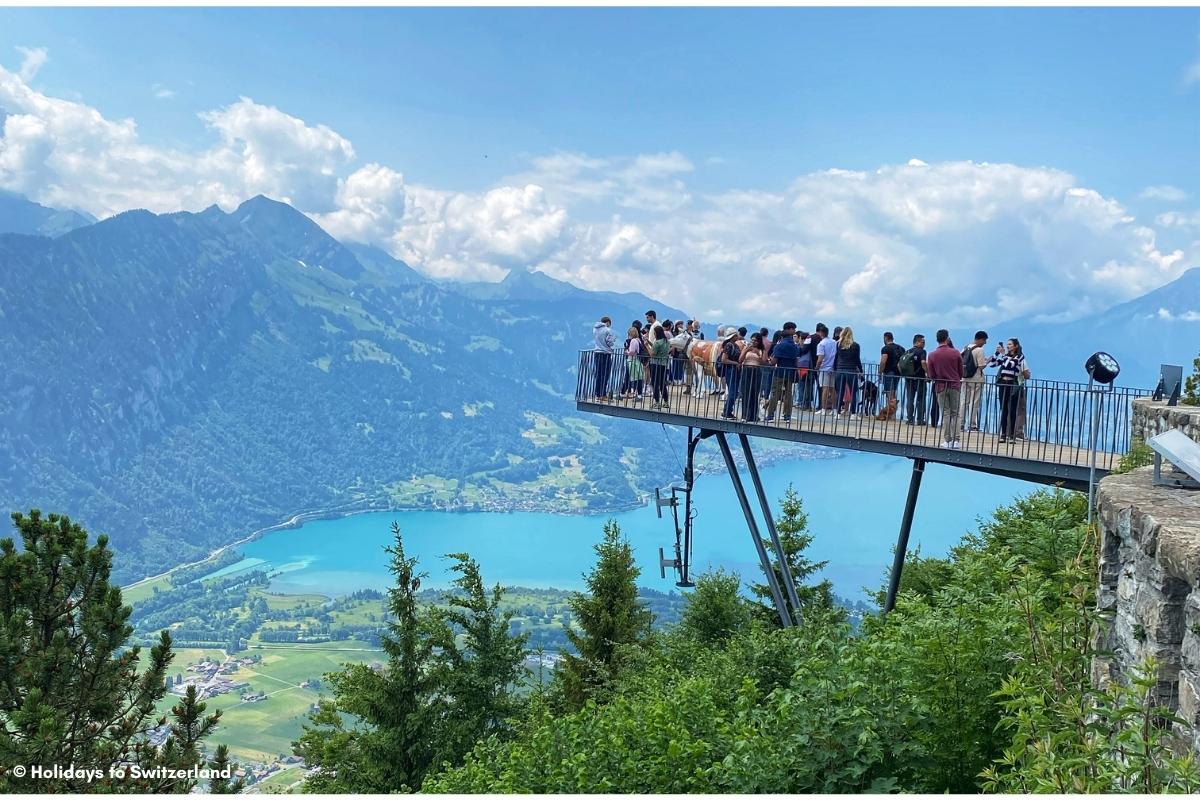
(792, 526)
(449, 682)
(610, 618)
(70, 692)
(221, 764)
(479, 675)
(395, 747)
(1191, 385)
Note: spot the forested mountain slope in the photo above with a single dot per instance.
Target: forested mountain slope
(178, 380)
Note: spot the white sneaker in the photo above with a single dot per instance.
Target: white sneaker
(947, 445)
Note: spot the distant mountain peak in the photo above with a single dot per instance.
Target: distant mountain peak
(19, 214)
(291, 232)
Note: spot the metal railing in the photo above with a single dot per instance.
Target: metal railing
(1038, 420)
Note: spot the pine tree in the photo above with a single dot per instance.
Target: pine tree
(792, 527)
(1191, 386)
(610, 618)
(182, 749)
(478, 675)
(398, 706)
(70, 693)
(221, 764)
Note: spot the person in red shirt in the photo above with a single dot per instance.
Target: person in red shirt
(945, 370)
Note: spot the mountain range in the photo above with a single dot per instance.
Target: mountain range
(178, 380)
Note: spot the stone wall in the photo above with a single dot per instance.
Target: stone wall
(1150, 572)
(1151, 418)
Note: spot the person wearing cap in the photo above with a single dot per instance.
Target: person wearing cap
(783, 357)
(730, 358)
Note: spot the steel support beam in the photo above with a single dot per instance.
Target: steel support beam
(789, 582)
(780, 605)
(910, 507)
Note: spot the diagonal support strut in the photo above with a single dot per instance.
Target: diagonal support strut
(780, 605)
(789, 582)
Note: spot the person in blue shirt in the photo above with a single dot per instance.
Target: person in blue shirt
(784, 356)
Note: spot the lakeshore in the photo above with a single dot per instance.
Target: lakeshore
(706, 465)
(335, 556)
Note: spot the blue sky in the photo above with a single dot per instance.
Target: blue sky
(704, 105)
(773, 92)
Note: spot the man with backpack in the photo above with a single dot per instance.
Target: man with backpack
(889, 374)
(973, 360)
(912, 367)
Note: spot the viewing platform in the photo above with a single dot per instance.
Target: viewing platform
(1059, 434)
(1053, 446)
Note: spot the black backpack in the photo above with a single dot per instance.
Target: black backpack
(908, 366)
(969, 365)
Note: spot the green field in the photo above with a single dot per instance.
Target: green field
(282, 782)
(263, 731)
(138, 592)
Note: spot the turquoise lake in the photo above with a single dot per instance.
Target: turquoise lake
(854, 505)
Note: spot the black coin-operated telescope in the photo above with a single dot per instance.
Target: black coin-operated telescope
(1102, 369)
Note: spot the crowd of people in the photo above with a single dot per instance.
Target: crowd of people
(760, 374)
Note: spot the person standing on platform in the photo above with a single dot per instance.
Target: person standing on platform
(1022, 397)
(636, 374)
(658, 367)
(605, 347)
(889, 374)
(804, 370)
(912, 367)
(731, 354)
(1010, 363)
(752, 360)
(945, 366)
(974, 361)
(783, 358)
(848, 368)
(651, 323)
(826, 356)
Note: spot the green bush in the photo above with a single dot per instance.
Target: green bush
(1140, 455)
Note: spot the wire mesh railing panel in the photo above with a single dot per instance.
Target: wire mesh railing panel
(1035, 420)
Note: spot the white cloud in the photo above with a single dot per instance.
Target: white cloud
(32, 59)
(477, 236)
(162, 92)
(1185, 316)
(1179, 219)
(1165, 193)
(1192, 73)
(647, 182)
(949, 242)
